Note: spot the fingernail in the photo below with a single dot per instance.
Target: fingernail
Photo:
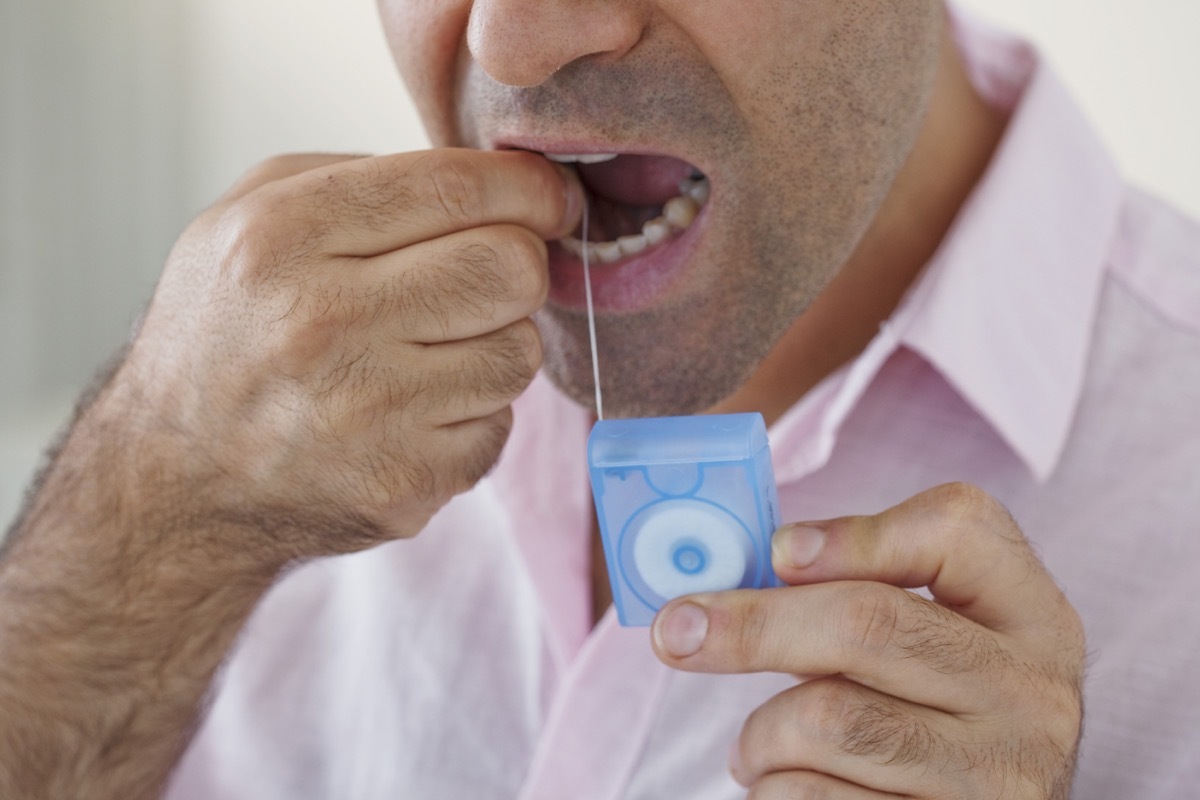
(798, 545)
(682, 633)
(573, 192)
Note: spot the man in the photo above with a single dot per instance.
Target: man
(916, 263)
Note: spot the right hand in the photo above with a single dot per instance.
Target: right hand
(334, 346)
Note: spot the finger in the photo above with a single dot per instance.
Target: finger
(370, 206)
(456, 287)
(880, 636)
(455, 459)
(469, 450)
(840, 729)
(805, 785)
(955, 539)
(479, 377)
(280, 167)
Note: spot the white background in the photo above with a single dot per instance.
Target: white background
(120, 120)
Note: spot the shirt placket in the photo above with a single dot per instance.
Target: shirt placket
(600, 718)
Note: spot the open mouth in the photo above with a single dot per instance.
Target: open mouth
(635, 202)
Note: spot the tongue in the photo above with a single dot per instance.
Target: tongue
(636, 180)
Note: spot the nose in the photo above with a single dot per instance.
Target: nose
(524, 42)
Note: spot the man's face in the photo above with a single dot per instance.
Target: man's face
(796, 113)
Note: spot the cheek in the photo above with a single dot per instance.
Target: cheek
(748, 43)
(425, 37)
(783, 61)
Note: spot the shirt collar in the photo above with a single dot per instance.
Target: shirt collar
(1005, 308)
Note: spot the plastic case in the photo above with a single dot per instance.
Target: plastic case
(685, 504)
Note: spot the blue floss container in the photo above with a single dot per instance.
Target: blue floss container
(685, 505)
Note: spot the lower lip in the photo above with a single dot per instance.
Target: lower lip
(634, 284)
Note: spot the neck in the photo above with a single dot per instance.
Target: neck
(953, 148)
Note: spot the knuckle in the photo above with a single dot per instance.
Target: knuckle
(260, 246)
(796, 785)
(489, 443)
(968, 503)
(469, 463)
(423, 481)
(759, 734)
(456, 188)
(524, 263)
(323, 311)
(473, 279)
(525, 351)
(1044, 756)
(882, 730)
(871, 617)
(964, 509)
(496, 368)
(509, 360)
(313, 337)
(369, 198)
(1064, 717)
(252, 247)
(549, 190)
(505, 264)
(470, 280)
(861, 723)
(939, 639)
(826, 703)
(748, 633)
(786, 725)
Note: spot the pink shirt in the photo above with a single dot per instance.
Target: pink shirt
(1050, 353)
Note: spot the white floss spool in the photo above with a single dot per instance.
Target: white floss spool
(685, 546)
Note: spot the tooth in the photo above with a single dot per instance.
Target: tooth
(680, 211)
(582, 158)
(656, 230)
(632, 245)
(572, 245)
(695, 189)
(605, 252)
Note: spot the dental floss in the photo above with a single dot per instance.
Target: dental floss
(591, 311)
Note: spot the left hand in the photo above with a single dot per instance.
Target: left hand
(974, 694)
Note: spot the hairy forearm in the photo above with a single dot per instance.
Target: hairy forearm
(116, 608)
